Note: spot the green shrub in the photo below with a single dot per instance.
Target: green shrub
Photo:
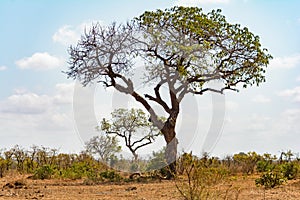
(110, 175)
(43, 172)
(2, 167)
(264, 166)
(289, 170)
(76, 171)
(270, 180)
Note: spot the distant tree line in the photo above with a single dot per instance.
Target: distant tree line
(38, 160)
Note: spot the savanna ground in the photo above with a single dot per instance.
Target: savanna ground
(237, 187)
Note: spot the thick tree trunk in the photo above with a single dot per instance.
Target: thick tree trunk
(171, 150)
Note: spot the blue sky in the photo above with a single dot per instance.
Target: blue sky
(36, 99)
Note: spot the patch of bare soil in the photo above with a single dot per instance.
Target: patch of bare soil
(243, 188)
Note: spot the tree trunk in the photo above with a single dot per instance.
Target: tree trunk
(171, 149)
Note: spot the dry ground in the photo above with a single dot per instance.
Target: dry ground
(19, 187)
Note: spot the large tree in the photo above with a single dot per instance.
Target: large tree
(183, 48)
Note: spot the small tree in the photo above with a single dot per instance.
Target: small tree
(19, 154)
(133, 126)
(104, 146)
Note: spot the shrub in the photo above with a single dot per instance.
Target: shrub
(264, 166)
(289, 170)
(76, 171)
(199, 181)
(270, 180)
(2, 167)
(43, 172)
(110, 175)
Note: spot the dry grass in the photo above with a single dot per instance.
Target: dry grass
(242, 187)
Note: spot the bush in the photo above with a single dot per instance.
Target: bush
(199, 181)
(289, 170)
(2, 167)
(43, 172)
(270, 180)
(264, 166)
(110, 175)
(77, 171)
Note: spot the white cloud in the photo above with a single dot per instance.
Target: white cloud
(293, 93)
(288, 123)
(286, 62)
(27, 103)
(2, 68)
(27, 117)
(261, 99)
(258, 123)
(64, 93)
(199, 2)
(40, 61)
(298, 79)
(68, 34)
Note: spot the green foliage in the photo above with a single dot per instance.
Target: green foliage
(266, 163)
(44, 172)
(289, 170)
(76, 171)
(111, 176)
(157, 160)
(206, 33)
(264, 166)
(133, 126)
(270, 180)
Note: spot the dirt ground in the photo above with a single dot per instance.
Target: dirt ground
(243, 188)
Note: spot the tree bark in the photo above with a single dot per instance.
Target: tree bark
(171, 149)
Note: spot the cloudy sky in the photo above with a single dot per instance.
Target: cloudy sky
(38, 104)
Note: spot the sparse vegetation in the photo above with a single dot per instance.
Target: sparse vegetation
(202, 177)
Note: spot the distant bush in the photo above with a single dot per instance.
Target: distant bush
(2, 167)
(157, 160)
(270, 180)
(111, 176)
(264, 166)
(43, 172)
(289, 170)
(246, 162)
(76, 171)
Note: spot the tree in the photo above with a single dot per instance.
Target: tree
(133, 126)
(183, 49)
(103, 145)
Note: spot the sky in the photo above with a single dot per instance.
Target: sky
(39, 105)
